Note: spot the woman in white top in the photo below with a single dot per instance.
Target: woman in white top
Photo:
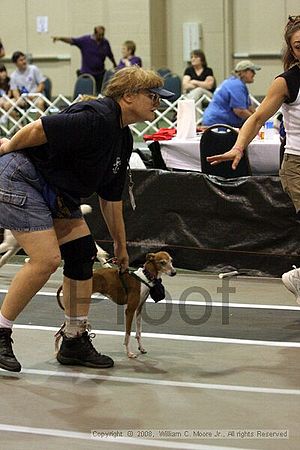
(283, 93)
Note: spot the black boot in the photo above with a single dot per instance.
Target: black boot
(8, 360)
(79, 351)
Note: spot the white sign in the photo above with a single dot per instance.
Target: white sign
(42, 24)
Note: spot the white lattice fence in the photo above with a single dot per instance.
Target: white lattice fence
(15, 117)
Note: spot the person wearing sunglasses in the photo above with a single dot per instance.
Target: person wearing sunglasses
(284, 93)
(85, 149)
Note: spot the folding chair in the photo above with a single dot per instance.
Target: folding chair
(173, 83)
(216, 139)
(157, 159)
(85, 84)
(48, 88)
(107, 76)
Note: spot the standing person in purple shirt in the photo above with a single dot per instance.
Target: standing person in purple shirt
(94, 49)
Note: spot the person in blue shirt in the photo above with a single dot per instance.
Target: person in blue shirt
(231, 102)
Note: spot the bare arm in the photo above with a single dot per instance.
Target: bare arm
(67, 40)
(113, 216)
(113, 61)
(189, 84)
(243, 113)
(40, 87)
(29, 136)
(276, 95)
(16, 93)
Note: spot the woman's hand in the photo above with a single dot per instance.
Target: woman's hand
(121, 254)
(4, 146)
(234, 154)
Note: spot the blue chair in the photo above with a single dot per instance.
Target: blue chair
(48, 88)
(173, 83)
(164, 72)
(85, 85)
(107, 76)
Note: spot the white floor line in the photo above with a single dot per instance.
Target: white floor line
(112, 440)
(179, 337)
(156, 382)
(196, 303)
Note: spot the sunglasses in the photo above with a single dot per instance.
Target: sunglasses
(154, 97)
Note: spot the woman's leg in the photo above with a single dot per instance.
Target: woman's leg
(79, 252)
(76, 293)
(43, 251)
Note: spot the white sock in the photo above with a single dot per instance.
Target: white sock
(75, 318)
(75, 326)
(5, 323)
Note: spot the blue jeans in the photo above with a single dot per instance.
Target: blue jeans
(23, 206)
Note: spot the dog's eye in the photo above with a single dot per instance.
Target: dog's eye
(163, 263)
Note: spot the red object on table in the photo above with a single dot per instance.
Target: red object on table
(163, 134)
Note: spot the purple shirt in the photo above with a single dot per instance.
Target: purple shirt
(134, 60)
(93, 54)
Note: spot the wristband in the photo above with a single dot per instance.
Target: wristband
(239, 149)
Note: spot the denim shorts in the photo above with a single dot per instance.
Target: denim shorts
(22, 203)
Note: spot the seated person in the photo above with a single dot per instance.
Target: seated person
(4, 88)
(27, 78)
(128, 56)
(198, 79)
(231, 103)
(2, 51)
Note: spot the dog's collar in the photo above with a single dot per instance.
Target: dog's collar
(145, 276)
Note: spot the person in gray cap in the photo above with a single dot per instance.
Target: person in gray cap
(231, 102)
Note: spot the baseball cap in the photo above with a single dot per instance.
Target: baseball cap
(246, 64)
(163, 93)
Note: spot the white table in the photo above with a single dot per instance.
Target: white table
(264, 155)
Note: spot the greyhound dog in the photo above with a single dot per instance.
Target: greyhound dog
(10, 247)
(132, 289)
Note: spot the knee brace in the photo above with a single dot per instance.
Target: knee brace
(79, 256)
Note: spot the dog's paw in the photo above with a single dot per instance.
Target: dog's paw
(142, 350)
(131, 355)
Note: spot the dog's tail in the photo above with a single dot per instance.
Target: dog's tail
(86, 209)
(58, 298)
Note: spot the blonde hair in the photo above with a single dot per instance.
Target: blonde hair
(130, 45)
(130, 80)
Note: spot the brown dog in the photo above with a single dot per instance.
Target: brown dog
(132, 289)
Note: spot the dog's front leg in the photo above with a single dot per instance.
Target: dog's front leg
(138, 334)
(129, 313)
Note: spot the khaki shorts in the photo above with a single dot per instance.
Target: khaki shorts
(290, 178)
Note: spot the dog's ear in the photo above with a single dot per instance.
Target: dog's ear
(150, 256)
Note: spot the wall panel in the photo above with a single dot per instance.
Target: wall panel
(229, 27)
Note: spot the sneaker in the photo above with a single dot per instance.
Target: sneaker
(79, 351)
(8, 360)
(291, 280)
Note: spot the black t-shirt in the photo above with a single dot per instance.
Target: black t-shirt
(292, 78)
(87, 151)
(207, 72)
